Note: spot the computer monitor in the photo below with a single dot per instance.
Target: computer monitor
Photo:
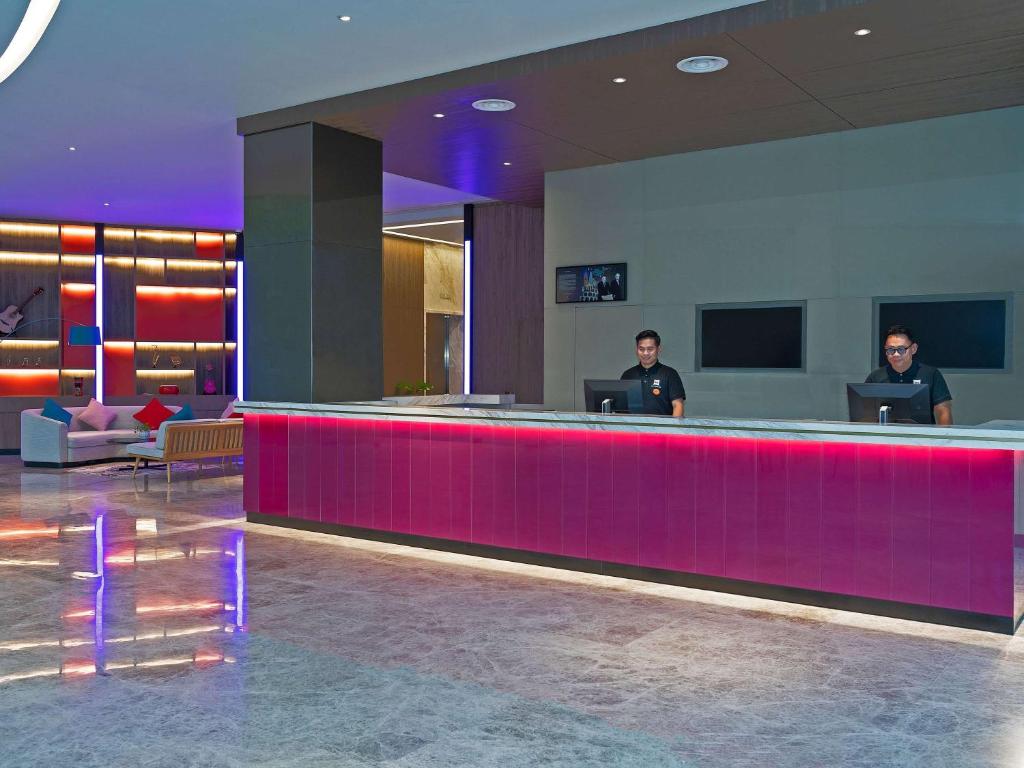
(626, 396)
(910, 403)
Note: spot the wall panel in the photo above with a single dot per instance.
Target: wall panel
(508, 301)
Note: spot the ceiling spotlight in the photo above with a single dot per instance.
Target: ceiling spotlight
(862, 32)
(71, 149)
(344, 18)
(494, 105)
(618, 79)
(701, 65)
(506, 163)
(439, 115)
(106, 205)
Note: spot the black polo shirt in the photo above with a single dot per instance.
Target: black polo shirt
(917, 373)
(660, 385)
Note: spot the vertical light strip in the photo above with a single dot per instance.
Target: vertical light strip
(240, 581)
(467, 317)
(99, 324)
(239, 329)
(101, 584)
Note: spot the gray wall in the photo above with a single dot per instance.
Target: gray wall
(930, 207)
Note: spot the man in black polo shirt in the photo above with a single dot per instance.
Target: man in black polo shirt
(662, 388)
(901, 368)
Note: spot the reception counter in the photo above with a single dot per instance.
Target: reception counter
(908, 521)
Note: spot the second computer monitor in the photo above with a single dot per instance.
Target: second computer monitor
(625, 396)
(910, 403)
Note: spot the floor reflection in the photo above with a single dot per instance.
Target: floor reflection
(125, 594)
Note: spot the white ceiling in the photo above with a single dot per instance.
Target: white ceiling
(148, 90)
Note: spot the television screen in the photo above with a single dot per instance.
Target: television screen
(962, 333)
(592, 282)
(752, 337)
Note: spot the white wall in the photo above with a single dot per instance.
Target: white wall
(930, 207)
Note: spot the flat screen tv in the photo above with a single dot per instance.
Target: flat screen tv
(596, 283)
(964, 333)
(751, 337)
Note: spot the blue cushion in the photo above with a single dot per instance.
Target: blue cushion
(53, 411)
(185, 414)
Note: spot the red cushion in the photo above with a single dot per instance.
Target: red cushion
(154, 414)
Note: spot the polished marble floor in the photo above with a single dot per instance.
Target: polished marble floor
(147, 626)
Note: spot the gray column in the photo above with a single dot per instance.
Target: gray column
(313, 216)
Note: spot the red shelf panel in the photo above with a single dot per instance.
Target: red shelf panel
(78, 239)
(29, 383)
(119, 369)
(78, 307)
(168, 314)
(209, 245)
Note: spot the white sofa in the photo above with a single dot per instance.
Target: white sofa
(50, 443)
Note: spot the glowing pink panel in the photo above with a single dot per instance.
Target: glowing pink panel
(928, 526)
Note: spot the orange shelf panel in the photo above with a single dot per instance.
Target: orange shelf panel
(29, 382)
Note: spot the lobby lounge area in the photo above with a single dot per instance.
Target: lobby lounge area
(525, 384)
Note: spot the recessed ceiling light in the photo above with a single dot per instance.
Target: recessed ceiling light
(107, 205)
(701, 65)
(618, 79)
(862, 32)
(71, 149)
(344, 18)
(506, 163)
(494, 105)
(439, 114)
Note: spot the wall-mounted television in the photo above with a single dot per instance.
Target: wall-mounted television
(596, 283)
(752, 336)
(964, 332)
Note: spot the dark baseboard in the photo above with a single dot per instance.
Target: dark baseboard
(928, 614)
(10, 451)
(71, 464)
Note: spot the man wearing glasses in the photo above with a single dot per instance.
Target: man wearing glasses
(901, 368)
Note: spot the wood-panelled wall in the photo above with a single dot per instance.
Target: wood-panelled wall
(508, 301)
(402, 309)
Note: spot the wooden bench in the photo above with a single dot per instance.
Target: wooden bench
(192, 441)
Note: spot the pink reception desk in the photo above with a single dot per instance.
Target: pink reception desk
(908, 521)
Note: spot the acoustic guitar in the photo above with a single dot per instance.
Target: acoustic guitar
(11, 316)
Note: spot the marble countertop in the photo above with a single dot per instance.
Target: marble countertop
(999, 435)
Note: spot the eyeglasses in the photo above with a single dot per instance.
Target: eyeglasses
(894, 351)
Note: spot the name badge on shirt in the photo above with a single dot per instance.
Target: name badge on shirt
(917, 381)
(656, 387)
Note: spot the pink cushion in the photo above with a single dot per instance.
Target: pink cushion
(97, 416)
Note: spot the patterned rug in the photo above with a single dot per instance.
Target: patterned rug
(209, 468)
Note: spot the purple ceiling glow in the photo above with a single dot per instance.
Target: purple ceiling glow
(153, 116)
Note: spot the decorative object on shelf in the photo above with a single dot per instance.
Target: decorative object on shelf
(424, 387)
(11, 316)
(79, 386)
(167, 389)
(39, 362)
(209, 386)
(154, 357)
(24, 362)
(175, 361)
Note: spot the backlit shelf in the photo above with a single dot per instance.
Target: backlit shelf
(28, 344)
(164, 372)
(23, 257)
(164, 291)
